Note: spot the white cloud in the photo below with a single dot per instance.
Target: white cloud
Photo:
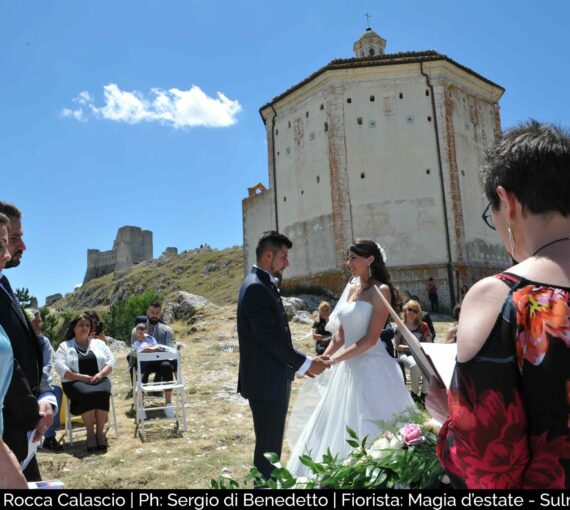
(74, 114)
(173, 107)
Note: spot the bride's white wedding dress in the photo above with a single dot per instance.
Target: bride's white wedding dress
(354, 393)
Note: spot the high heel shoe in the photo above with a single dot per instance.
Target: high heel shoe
(102, 447)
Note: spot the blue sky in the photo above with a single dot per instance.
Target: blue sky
(139, 112)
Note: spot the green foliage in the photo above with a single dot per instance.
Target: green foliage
(386, 464)
(24, 297)
(54, 325)
(119, 320)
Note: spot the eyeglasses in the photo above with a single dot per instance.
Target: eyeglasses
(412, 310)
(487, 216)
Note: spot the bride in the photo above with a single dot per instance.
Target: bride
(365, 383)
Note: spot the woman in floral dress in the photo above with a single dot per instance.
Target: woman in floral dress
(509, 401)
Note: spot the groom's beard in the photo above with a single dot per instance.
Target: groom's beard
(154, 322)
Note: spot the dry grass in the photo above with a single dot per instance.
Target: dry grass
(220, 435)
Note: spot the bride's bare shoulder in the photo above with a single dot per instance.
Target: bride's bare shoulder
(384, 289)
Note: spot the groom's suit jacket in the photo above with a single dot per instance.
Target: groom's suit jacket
(267, 359)
(21, 412)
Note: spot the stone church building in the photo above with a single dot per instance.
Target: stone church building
(384, 147)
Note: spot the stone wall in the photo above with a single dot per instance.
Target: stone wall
(132, 245)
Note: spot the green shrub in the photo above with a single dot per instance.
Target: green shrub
(120, 319)
(54, 325)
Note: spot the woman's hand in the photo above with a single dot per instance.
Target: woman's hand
(11, 476)
(83, 378)
(97, 378)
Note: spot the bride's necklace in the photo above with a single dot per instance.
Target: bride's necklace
(550, 243)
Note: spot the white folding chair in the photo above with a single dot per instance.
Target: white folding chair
(144, 389)
(70, 420)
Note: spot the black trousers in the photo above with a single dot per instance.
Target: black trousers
(32, 471)
(269, 426)
(164, 370)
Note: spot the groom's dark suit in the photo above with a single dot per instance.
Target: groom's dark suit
(268, 362)
(21, 412)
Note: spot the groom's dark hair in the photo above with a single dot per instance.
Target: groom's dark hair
(271, 241)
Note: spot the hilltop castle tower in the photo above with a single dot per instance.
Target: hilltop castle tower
(132, 245)
(384, 147)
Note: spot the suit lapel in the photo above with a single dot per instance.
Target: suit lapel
(14, 307)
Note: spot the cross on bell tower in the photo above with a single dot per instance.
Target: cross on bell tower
(370, 43)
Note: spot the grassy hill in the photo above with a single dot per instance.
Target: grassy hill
(214, 274)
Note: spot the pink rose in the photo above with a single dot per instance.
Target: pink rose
(412, 434)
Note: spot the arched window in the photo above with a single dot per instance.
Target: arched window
(371, 52)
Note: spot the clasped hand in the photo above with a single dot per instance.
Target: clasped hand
(90, 379)
(319, 365)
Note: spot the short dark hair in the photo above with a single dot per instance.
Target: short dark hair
(156, 304)
(533, 162)
(10, 210)
(4, 221)
(271, 241)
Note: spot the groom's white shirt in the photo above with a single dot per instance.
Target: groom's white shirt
(308, 360)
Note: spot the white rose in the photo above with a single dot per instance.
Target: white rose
(381, 444)
(433, 425)
(396, 443)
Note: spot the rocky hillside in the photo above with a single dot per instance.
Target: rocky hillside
(214, 274)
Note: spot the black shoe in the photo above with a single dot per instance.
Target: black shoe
(50, 443)
(130, 394)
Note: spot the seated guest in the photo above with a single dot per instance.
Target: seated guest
(84, 364)
(164, 369)
(412, 313)
(426, 317)
(35, 317)
(156, 328)
(320, 334)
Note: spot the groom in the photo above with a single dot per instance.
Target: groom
(267, 360)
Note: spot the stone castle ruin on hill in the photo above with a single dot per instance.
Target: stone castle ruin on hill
(384, 147)
(132, 245)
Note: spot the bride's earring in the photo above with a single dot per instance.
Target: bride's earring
(511, 241)
(369, 271)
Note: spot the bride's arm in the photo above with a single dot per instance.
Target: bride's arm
(375, 326)
(337, 341)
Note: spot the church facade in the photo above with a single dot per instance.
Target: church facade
(384, 147)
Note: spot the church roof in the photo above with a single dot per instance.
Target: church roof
(409, 57)
(369, 33)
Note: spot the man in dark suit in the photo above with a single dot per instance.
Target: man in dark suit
(30, 402)
(268, 361)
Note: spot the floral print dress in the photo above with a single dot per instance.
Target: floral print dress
(510, 405)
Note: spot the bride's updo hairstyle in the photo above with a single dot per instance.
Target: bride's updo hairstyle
(367, 248)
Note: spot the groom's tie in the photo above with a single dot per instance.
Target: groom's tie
(8, 289)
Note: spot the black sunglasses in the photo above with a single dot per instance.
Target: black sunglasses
(487, 216)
